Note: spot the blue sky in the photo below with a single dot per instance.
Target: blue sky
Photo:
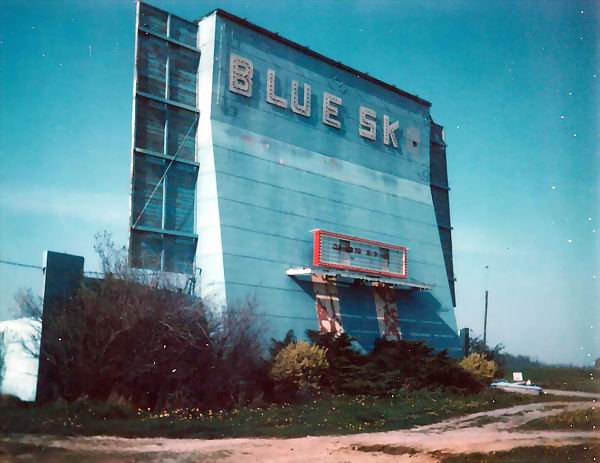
(515, 84)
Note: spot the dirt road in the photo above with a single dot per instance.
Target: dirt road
(485, 431)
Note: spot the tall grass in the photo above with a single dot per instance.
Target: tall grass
(326, 415)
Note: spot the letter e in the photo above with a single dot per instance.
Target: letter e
(330, 111)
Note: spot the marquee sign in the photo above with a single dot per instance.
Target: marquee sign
(343, 252)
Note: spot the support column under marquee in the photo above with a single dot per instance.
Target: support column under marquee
(387, 312)
(328, 308)
(327, 304)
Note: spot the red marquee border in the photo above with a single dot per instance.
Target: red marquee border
(317, 261)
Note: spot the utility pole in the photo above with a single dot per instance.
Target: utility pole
(485, 318)
(486, 308)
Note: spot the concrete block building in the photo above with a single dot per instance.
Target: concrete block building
(271, 172)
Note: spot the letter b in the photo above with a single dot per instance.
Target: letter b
(240, 75)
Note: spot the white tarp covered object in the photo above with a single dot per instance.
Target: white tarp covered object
(21, 368)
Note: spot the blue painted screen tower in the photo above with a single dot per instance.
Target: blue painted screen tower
(289, 178)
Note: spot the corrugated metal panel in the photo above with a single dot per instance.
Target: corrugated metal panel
(153, 19)
(147, 173)
(151, 65)
(180, 206)
(154, 251)
(179, 254)
(437, 134)
(146, 250)
(183, 70)
(439, 171)
(163, 199)
(441, 201)
(181, 133)
(150, 125)
(442, 206)
(446, 240)
(183, 31)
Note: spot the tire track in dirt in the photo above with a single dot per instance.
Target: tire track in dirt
(494, 430)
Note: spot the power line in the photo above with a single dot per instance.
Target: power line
(85, 272)
(20, 264)
(38, 267)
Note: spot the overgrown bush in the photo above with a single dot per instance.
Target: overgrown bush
(497, 354)
(345, 373)
(415, 365)
(479, 366)
(159, 348)
(146, 340)
(390, 366)
(300, 365)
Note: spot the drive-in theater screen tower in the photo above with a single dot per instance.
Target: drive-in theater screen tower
(289, 178)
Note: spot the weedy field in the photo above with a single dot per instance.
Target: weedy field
(568, 453)
(324, 416)
(576, 420)
(558, 377)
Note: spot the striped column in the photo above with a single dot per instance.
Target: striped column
(387, 312)
(327, 303)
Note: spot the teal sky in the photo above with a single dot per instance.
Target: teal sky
(515, 84)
